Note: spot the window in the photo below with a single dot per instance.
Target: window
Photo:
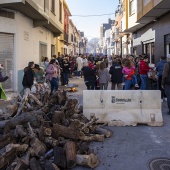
(7, 14)
(60, 11)
(53, 6)
(132, 7)
(71, 37)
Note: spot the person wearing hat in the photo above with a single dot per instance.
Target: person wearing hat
(166, 81)
(2, 79)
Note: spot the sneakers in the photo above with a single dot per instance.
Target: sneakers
(123, 84)
(136, 85)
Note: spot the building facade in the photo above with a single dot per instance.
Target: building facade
(28, 31)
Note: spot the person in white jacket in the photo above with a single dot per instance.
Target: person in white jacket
(79, 63)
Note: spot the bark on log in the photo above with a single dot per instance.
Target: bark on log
(38, 146)
(10, 154)
(22, 119)
(99, 138)
(10, 110)
(104, 132)
(70, 148)
(60, 157)
(59, 130)
(34, 165)
(51, 141)
(21, 131)
(87, 160)
(58, 117)
(50, 166)
(83, 148)
(8, 138)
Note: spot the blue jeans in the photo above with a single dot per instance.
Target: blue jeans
(128, 84)
(167, 92)
(134, 79)
(78, 73)
(54, 84)
(143, 78)
(65, 78)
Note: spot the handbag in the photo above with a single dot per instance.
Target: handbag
(167, 79)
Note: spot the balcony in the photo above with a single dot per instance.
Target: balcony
(32, 10)
(65, 37)
(157, 9)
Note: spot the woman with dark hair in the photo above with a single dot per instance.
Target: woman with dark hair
(116, 74)
(52, 74)
(28, 78)
(66, 71)
(89, 76)
(104, 76)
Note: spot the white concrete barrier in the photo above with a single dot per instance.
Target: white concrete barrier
(124, 107)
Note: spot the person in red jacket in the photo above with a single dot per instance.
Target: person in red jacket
(143, 70)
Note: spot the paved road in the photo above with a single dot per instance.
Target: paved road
(130, 148)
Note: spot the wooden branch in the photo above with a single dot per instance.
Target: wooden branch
(99, 138)
(104, 132)
(35, 99)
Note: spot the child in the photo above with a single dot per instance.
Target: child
(129, 72)
(2, 79)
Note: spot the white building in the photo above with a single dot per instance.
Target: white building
(27, 32)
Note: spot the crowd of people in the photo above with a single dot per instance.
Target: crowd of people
(124, 74)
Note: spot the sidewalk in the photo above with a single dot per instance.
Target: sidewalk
(129, 148)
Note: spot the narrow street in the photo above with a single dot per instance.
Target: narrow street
(129, 148)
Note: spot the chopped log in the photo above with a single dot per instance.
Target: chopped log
(35, 99)
(70, 148)
(83, 148)
(58, 117)
(17, 147)
(10, 154)
(8, 138)
(87, 160)
(21, 131)
(43, 132)
(50, 166)
(55, 167)
(34, 165)
(20, 163)
(91, 122)
(51, 141)
(60, 157)
(59, 130)
(38, 147)
(30, 130)
(22, 119)
(104, 132)
(99, 138)
(10, 110)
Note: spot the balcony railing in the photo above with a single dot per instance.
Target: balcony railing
(65, 37)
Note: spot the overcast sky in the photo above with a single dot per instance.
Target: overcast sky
(91, 25)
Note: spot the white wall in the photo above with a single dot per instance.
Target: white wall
(26, 41)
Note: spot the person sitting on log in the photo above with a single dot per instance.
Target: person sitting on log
(2, 79)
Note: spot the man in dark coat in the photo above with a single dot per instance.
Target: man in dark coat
(28, 78)
(116, 75)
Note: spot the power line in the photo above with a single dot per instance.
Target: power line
(91, 15)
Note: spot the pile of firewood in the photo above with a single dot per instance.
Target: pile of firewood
(42, 132)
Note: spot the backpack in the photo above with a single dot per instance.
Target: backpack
(167, 79)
